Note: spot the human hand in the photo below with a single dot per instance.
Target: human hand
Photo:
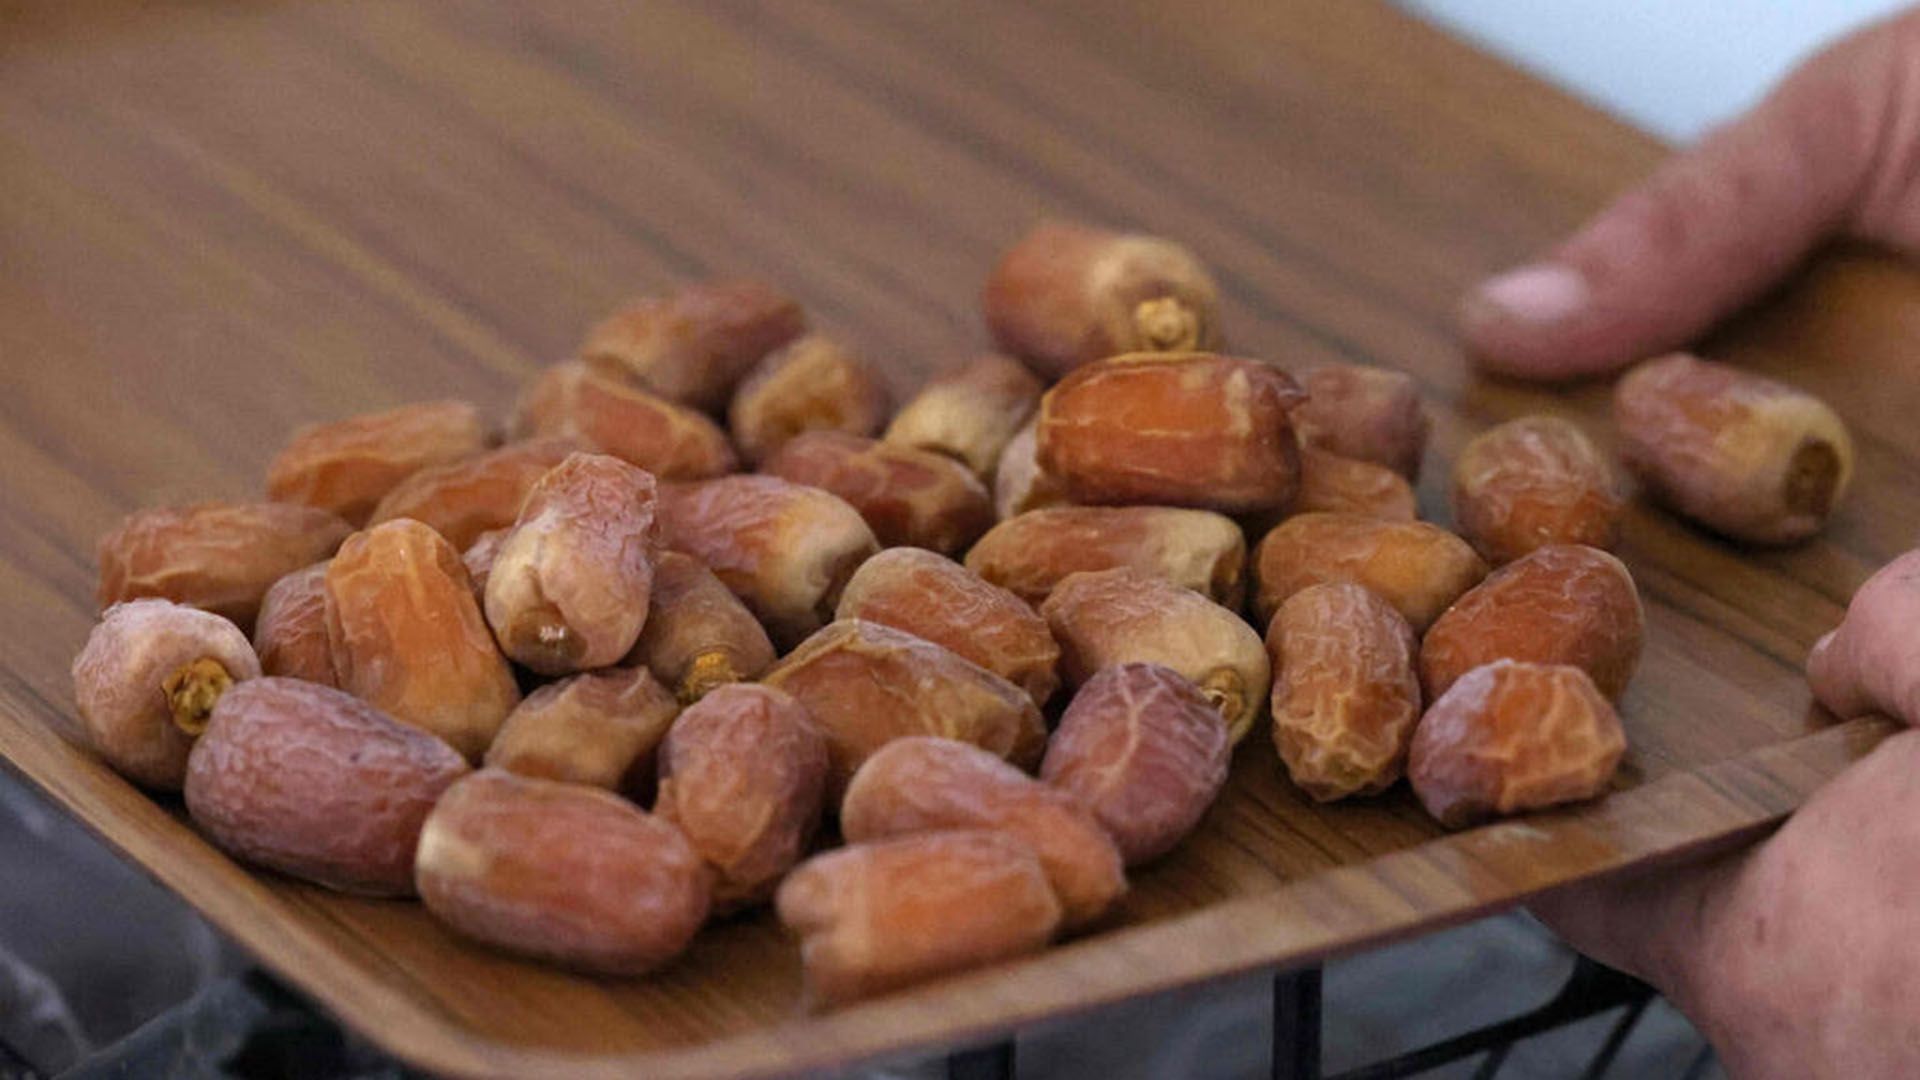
(1799, 958)
(1833, 151)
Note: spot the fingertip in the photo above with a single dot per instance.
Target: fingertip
(1533, 322)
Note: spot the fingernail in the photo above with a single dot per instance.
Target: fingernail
(1541, 293)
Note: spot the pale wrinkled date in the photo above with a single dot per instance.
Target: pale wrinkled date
(561, 872)
(1511, 736)
(1195, 549)
(1346, 695)
(695, 344)
(925, 784)
(568, 588)
(218, 556)
(1143, 749)
(970, 412)
(1069, 294)
(870, 919)
(865, 684)
(937, 599)
(308, 781)
(743, 773)
(1120, 616)
(1740, 453)
(146, 681)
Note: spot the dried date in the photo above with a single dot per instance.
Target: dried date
(1510, 736)
(1194, 549)
(407, 637)
(1742, 454)
(866, 684)
(348, 466)
(743, 773)
(784, 549)
(1069, 294)
(695, 344)
(1117, 616)
(1346, 695)
(1182, 429)
(879, 916)
(1416, 567)
(938, 599)
(925, 784)
(1143, 749)
(568, 589)
(698, 635)
(561, 872)
(1563, 604)
(311, 782)
(913, 498)
(148, 677)
(219, 556)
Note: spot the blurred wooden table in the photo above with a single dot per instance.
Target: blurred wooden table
(219, 220)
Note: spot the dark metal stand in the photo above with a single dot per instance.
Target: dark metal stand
(992, 1062)
(1590, 990)
(1296, 1024)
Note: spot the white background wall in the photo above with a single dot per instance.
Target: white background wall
(1674, 67)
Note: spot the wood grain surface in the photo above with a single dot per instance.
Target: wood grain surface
(220, 220)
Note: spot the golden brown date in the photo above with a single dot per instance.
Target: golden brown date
(467, 498)
(694, 344)
(1069, 294)
(1532, 482)
(600, 728)
(561, 872)
(1364, 413)
(866, 684)
(291, 634)
(568, 589)
(1019, 484)
(923, 784)
(1143, 749)
(1179, 429)
(148, 677)
(407, 637)
(784, 549)
(1346, 696)
(1117, 616)
(1416, 567)
(743, 774)
(1742, 454)
(1563, 604)
(909, 497)
(1333, 484)
(812, 384)
(218, 556)
(969, 412)
(348, 466)
(1510, 736)
(937, 599)
(698, 635)
(612, 416)
(880, 916)
(312, 782)
(1195, 549)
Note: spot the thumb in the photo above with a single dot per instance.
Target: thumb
(1706, 233)
(1871, 663)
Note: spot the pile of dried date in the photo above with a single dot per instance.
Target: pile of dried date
(473, 664)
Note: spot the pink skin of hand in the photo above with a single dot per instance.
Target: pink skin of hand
(1799, 957)
(1834, 150)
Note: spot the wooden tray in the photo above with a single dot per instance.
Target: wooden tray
(222, 220)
